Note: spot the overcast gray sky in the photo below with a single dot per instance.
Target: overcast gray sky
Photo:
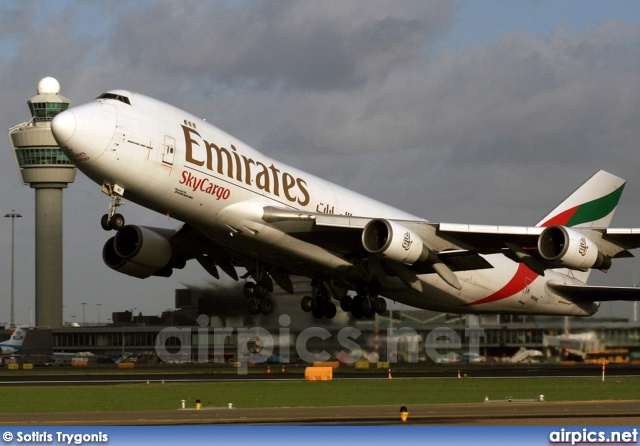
(479, 112)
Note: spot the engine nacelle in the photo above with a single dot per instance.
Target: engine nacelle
(115, 262)
(571, 249)
(138, 251)
(391, 240)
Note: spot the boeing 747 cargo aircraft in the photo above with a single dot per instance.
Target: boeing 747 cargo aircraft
(242, 209)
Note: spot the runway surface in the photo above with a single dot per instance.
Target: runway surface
(106, 375)
(610, 413)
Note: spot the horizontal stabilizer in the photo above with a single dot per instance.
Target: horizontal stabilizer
(586, 293)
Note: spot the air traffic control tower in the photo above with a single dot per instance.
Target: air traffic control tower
(43, 166)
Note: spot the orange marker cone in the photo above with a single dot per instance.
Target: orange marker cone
(268, 369)
(390, 377)
(459, 374)
(283, 369)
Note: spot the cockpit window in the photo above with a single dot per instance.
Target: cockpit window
(117, 97)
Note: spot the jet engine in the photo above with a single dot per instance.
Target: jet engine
(394, 241)
(139, 251)
(571, 249)
(391, 240)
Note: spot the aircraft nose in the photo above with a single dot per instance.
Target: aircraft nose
(85, 132)
(63, 126)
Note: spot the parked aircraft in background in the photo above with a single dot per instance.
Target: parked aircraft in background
(243, 209)
(13, 345)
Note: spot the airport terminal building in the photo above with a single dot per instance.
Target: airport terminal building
(206, 328)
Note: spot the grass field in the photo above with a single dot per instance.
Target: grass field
(156, 396)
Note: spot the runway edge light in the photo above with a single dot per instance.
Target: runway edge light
(404, 414)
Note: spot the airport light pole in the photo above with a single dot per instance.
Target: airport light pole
(98, 305)
(13, 217)
(84, 321)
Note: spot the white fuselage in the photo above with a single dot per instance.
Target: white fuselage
(8, 350)
(174, 163)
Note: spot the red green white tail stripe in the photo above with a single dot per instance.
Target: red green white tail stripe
(592, 205)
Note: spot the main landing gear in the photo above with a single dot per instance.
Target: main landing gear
(363, 306)
(366, 303)
(257, 293)
(113, 220)
(320, 305)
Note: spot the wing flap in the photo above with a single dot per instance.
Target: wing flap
(457, 261)
(487, 239)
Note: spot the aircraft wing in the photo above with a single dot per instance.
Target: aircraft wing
(488, 239)
(586, 293)
(521, 242)
(343, 234)
(458, 245)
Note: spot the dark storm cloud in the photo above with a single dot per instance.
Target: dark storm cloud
(320, 46)
(517, 100)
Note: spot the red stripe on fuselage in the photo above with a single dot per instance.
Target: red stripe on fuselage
(518, 282)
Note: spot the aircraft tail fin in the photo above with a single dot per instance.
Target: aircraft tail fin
(17, 337)
(591, 206)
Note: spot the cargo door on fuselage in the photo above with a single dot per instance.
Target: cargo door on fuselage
(169, 150)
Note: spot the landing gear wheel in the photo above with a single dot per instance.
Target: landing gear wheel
(346, 303)
(104, 222)
(330, 310)
(367, 308)
(317, 307)
(318, 312)
(317, 303)
(266, 306)
(254, 306)
(379, 305)
(117, 222)
(307, 304)
(356, 307)
(260, 290)
(249, 289)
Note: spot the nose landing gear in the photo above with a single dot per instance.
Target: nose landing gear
(112, 220)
